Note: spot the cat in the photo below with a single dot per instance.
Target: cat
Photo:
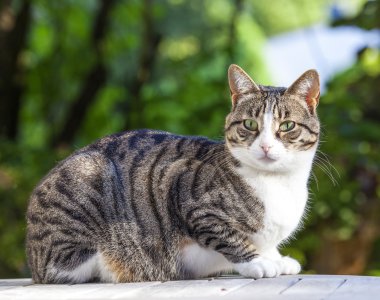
(149, 205)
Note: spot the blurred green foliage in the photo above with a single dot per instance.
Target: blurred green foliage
(162, 64)
(343, 227)
(345, 206)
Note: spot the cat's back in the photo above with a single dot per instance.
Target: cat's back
(143, 143)
(144, 153)
(125, 160)
(131, 149)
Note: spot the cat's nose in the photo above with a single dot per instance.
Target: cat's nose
(265, 148)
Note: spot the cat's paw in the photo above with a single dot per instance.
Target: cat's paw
(289, 266)
(259, 268)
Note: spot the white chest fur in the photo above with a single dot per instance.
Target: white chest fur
(284, 199)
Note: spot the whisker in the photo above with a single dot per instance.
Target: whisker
(327, 161)
(322, 162)
(315, 178)
(323, 167)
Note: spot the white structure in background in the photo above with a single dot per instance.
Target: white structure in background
(327, 49)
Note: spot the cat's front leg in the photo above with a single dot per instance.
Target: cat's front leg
(237, 248)
(268, 264)
(262, 266)
(286, 264)
(258, 267)
(289, 266)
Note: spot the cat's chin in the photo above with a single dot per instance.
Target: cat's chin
(268, 164)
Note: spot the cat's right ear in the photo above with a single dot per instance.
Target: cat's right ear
(240, 83)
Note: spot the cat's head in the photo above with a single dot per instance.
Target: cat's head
(273, 129)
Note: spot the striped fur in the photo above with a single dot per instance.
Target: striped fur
(149, 205)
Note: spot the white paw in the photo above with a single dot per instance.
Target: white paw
(289, 266)
(259, 268)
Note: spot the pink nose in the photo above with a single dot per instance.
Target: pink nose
(265, 148)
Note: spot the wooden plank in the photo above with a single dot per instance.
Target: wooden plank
(358, 287)
(313, 288)
(12, 283)
(266, 288)
(188, 289)
(77, 291)
(15, 282)
(119, 291)
(49, 291)
(228, 288)
(192, 288)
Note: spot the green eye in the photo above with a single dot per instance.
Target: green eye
(250, 124)
(287, 126)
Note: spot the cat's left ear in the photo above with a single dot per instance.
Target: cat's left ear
(307, 87)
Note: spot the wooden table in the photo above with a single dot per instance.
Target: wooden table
(226, 287)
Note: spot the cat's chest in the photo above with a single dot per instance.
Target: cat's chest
(284, 202)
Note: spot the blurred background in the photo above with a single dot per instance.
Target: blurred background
(74, 71)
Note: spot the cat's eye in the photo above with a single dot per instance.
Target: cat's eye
(250, 124)
(287, 126)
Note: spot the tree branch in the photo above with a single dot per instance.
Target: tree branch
(231, 46)
(149, 44)
(13, 32)
(94, 81)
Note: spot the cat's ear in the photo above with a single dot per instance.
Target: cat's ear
(307, 87)
(240, 82)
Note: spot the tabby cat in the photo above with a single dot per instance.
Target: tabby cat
(150, 205)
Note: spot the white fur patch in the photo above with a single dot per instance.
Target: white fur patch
(201, 262)
(93, 267)
(284, 199)
(104, 273)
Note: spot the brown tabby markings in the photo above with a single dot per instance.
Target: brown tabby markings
(122, 272)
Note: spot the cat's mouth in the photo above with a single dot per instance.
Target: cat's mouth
(267, 159)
